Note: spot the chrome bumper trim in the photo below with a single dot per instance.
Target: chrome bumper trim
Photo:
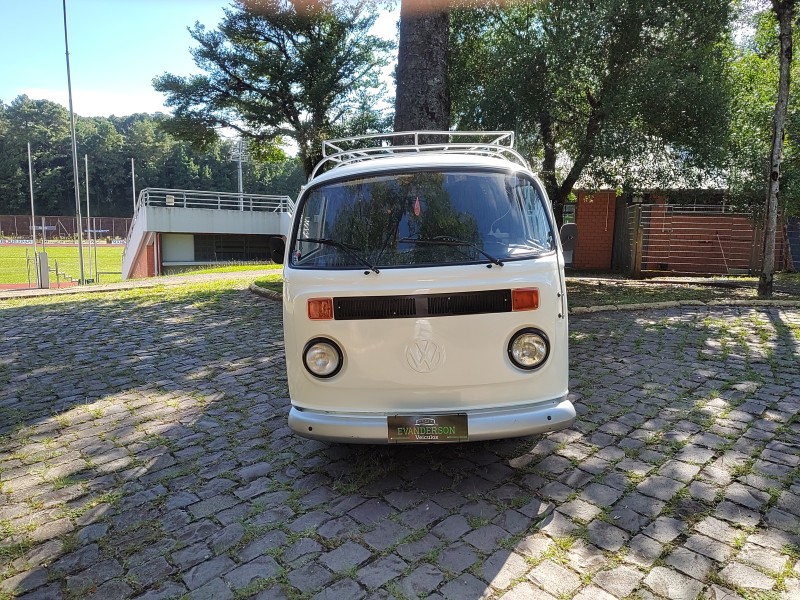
(484, 424)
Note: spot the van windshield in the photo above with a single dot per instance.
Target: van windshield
(421, 219)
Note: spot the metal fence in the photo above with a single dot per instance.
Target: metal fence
(18, 227)
(214, 200)
(701, 240)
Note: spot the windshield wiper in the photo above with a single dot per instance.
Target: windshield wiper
(351, 251)
(446, 240)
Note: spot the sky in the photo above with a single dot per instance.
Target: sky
(116, 48)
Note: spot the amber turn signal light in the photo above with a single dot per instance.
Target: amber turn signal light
(525, 299)
(320, 309)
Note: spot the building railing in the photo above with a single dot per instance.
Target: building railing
(215, 200)
(169, 198)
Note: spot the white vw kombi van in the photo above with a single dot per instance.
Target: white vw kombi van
(424, 297)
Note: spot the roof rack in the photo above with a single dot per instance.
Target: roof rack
(344, 151)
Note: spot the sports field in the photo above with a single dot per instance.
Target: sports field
(14, 269)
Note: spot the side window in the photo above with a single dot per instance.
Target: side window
(311, 225)
(536, 220)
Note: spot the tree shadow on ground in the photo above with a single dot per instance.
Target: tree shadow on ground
(154, 459)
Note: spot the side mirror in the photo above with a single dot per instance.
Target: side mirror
(277, 248)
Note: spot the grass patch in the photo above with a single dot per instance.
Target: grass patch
(230, 268)
(742, 469)
(257, 585)
(13, 268)
(274, 283)
(625, 291)
(477, 522)
(792, 551)
(15, 550)
(195, 294)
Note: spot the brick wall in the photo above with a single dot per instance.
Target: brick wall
(144, 266)
(594, 216)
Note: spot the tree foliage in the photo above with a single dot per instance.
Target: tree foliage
(110, 143)
(754, 69)
(281, 69)
(612, 92)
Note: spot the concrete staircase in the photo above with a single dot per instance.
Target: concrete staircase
(166, 211)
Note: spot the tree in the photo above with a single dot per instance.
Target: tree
(785, 12)
(45, 125)
(422, 99)
(11, 174)
(278, 69)
(607, 92)
(754, 69)
(161, 161)
(109, 172)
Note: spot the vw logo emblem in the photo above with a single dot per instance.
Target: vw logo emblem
(424, 356)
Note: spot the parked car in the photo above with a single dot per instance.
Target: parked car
(424, 296)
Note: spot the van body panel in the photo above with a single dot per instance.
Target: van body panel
(415, 362)
(472, 368)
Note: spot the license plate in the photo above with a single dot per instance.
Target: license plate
(427, 429)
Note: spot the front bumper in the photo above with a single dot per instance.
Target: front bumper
(485, 424)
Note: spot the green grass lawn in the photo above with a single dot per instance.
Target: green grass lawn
(271, 282)
(13, 267)
(232, 268)
(196, 294)
(614, 292)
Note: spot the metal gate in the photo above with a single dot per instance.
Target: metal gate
(659, 238)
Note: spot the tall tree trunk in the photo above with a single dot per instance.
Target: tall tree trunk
(784, 10)
(422, 101)
(548, 170)
(560, 192)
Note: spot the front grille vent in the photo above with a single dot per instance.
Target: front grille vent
(471, 303)
(377, 307)
(350, 308)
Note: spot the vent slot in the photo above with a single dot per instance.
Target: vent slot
(376, 307)
(350, 308)
(471, 303)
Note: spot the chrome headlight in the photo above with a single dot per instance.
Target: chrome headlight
(528, 348)
(322, 358)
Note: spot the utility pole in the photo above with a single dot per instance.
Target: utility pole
(88, 215)
(33, 220)
(74, 153)
(33, 213)
(239, 154)
(133, 182)
(241, 185)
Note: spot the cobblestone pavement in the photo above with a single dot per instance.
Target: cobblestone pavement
(150, 458)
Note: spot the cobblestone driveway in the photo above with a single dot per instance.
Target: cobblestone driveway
(151, 459)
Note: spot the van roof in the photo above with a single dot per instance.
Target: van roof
(417, 161)
(416, 149)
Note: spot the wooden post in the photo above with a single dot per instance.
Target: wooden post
(638, 242)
